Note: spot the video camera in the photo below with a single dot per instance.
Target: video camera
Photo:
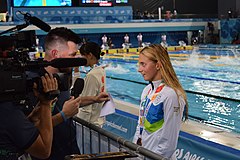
(18, 72)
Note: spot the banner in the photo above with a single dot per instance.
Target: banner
(189, 147)
(121, 125)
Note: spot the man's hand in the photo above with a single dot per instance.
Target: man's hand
(70, 107)
(49, 84)
(102, 97)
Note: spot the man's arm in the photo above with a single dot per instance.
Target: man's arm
(41, 147)
(70, 107)
(57, 119)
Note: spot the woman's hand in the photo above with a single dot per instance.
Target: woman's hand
(102, 97)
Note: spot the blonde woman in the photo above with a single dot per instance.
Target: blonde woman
(162, 105)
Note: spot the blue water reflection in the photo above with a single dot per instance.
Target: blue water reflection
(204, 77)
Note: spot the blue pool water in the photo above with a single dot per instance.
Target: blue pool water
(212, 85)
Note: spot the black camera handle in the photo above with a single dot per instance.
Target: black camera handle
(16, 28)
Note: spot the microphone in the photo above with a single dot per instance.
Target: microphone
(21, 26)
(68, 62)
(56, 63)
(77, 87)
(39, 23)
(36, 21)
(14, 29)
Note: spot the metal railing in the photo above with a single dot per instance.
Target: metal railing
(93, 139)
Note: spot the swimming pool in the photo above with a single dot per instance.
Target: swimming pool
(212, 86)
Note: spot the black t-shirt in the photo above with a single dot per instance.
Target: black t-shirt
(17, 133)
(64, 134)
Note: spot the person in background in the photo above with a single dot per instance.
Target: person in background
(126, 43)
(94, 83)
(104, 39)
(104, 45)
(164, 40)
(126, 38)
(63, 43)
(139, 38)
(76, 74)
(162, 103)
(110, 43)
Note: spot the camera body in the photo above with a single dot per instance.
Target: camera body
(18, 72)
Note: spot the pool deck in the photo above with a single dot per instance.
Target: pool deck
(212, 133)
(202, 130)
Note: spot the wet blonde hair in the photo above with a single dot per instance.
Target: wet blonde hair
(157, 53)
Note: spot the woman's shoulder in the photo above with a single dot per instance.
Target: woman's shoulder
(96, 74)
(95, 70)
(169, 92)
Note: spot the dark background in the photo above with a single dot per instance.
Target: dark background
(3, 5)
(187, 8)
(205, 8)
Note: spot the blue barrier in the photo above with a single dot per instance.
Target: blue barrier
(189, 146)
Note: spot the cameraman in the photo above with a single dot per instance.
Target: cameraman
(63, 43)
(19, 135)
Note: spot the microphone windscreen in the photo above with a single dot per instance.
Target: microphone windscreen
(68, 62)
(77, 87)
(39, 23)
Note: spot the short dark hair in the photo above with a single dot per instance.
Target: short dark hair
(91, 47)
(62, 33)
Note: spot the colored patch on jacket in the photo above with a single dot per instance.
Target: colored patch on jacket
(155, 118)
(102, 79)
(153, 127)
